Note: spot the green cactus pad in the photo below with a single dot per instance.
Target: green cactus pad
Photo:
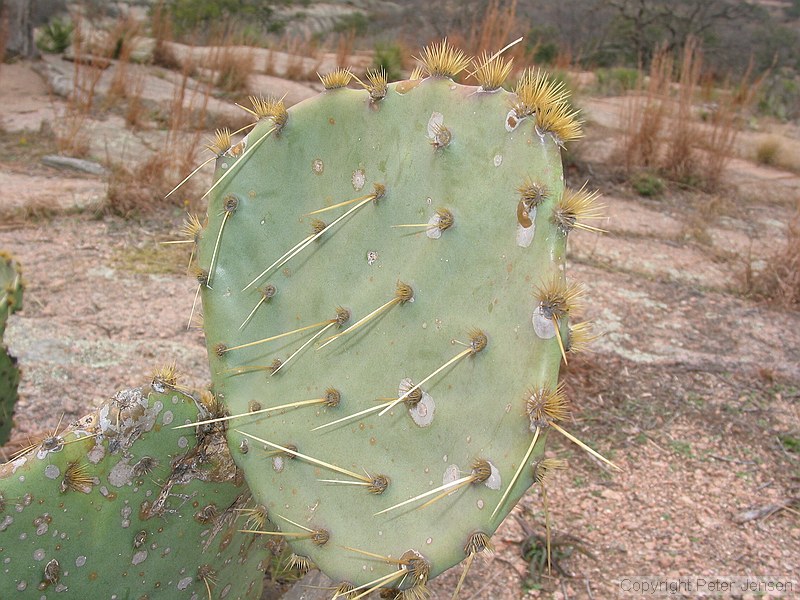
(10, 301)
(455, 195)
(121, 505)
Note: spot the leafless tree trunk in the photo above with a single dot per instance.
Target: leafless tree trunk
(16, 27)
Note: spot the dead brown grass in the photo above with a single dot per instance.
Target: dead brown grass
(139, 187)
(162, 31)
(664, 129)
(233, 65)
(779, 281)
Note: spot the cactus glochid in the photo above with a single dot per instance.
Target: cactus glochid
(399, 248)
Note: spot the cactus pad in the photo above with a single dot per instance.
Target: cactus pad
(384, 297)
(120, 505)
(10, 301)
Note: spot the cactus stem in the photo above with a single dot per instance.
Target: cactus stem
(309, 459)
(575, 440)
(249, 149)
(403, 293)
(342, 315)
(476, 344)
(517, 474)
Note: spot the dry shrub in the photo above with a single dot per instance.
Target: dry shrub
(71, 133)
(138, 188)
(162, 30)
(767, 151)
(645, 115)
(492, 30)
(120, 46)
(679, 161)
(663, 130)
(233, 65)
(779, 281)
(303, 60)
(134, 111)
(345, 42)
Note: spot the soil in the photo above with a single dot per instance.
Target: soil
(693, 389)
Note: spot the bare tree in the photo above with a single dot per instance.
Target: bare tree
(16, 23)
(644, 24)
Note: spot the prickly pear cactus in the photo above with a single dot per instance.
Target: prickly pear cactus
(121, 505)
(10, 302)
(385, 304)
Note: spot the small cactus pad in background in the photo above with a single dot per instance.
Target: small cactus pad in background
(399, 249)
(121, 505)
(10, 302)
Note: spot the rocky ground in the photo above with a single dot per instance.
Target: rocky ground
(693, 389)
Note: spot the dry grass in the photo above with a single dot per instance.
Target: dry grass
(768, 151)
(491, 31)
(139, 187)
(233, 66)
(664, 130)
(644, 117)
(779, 281)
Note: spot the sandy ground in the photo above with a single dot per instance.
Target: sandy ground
(689, 389)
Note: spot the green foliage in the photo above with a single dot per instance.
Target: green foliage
(11, 289)
(617, 80)
(123, 504)
(191, 15)
(791, 443)
(356, 23)
(647, 183)
(779, 95)
(56, 36)
(542, 44)
(390, 58)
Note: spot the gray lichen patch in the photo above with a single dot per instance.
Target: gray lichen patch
(422, 412)
(542, 325)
